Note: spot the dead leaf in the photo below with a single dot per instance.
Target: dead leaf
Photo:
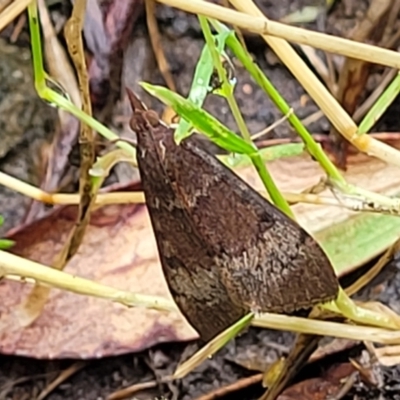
(320, 388)
(106, 30)
(338, 229)
(389, 356)
(118, 249)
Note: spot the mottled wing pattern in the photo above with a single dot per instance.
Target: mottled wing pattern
(266, 260)
(187, 261)
(224, 249)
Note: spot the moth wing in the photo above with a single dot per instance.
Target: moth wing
(266, 260)
(188, 262)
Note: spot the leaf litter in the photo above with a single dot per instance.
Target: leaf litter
(35, 244)
(119, 250)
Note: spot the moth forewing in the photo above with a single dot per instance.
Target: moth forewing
(224, 249)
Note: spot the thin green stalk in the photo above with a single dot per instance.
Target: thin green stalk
(226, 86)
(39, 74)
(265, 176)
(199, 87)
(52, 96)
(380, 106)
(312, 147)
(381, 203)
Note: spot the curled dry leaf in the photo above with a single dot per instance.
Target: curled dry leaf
(108, 26)
(119, 250)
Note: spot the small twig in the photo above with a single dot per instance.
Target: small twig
(155, 40)
(7, 387)
(320, 67)
(18, 28)
(62, 377)
(350, 381)
(137, 387)
(279, 375)
(73, 35)
(314, 117)
(272, 126)
(231, 388)
(387, 78)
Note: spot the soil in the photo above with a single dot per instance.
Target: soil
(22, 378)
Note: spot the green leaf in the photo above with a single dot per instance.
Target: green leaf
(6, 244)
(201, 120)
(303, 16)
(267, 154)
(200, 84)
(357, 240)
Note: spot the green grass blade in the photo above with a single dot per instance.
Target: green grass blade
(227, 91)
(380, 106)
(267, 154)
(199, 89)
(201, 120)
(312, 147)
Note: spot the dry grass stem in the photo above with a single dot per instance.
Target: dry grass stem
(73, 36)
(324, 328)
(155, 39)
(64, 198)
(258, 23)
(103, 199)
(252, 18)
(11, 264)
(12, 12)
(62, 377)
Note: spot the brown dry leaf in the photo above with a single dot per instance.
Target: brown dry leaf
(326, 223)
(389, 356)
(297, 173)
(325, 387)
(119, 250)
(256, 358)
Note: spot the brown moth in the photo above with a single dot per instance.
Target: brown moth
(224, 249)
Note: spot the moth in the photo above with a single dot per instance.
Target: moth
(224, 249)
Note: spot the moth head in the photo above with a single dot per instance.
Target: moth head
(152, 118)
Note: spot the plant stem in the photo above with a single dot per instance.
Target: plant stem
(312, 147)
(53, 97)
(265, 176)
